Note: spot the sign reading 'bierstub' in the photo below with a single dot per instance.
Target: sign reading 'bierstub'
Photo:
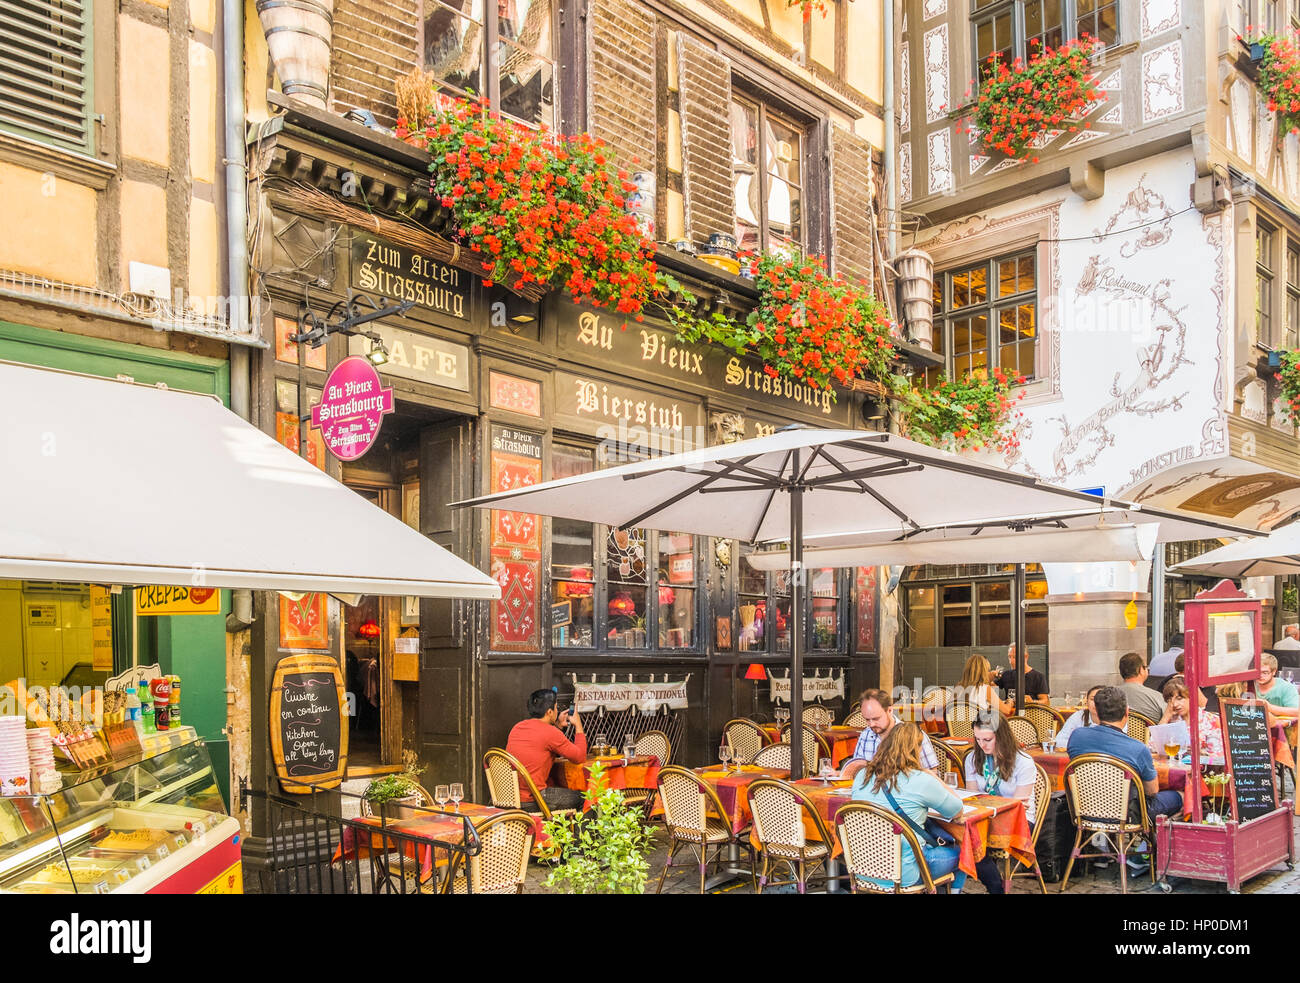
(352, 407)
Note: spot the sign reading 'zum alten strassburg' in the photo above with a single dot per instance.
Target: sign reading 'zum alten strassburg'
(352, 407)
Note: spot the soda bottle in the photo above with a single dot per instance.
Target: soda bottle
(146, 707)
(162, 698)
(174, 716)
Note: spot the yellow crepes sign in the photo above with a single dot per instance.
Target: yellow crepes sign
(152, 601)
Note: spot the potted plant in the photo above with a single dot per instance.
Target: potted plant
(395, 796)
(602, 849)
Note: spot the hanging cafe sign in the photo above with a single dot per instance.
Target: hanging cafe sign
(647, 697)
(352, 407)
(815, 687)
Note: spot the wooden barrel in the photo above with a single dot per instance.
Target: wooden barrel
(298, 35)
(915, 272)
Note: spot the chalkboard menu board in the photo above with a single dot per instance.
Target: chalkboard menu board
(1250, 758)
(309, 735)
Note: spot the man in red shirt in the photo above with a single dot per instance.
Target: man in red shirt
(536, 742)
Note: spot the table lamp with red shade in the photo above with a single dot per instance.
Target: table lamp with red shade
(756, 671)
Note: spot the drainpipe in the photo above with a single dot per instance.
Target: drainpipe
(232, 27)
(891, 162)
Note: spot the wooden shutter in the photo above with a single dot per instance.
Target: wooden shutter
(705, 88)
(621, 88)
(853, 218)
(375, 41)
(45, 71)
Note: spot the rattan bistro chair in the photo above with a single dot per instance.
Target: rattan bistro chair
(1023, 729)
(933, 703)
(816, 715)
(694, 816)
(1098, 788)
(958, 718)
(813, 744)
(774, 756)
(1138, 726)
(855, 718)
(651, 742)
(778, 808)
(873, 839)
(504, 773)
(950, 760)
(501, 864)
(1013, 868)
(745, 737)
(1045, 720)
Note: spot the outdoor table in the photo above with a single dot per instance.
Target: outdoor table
(639, 771)
(1171, 774)
(843, 740)
(733, 789)
(990, 821)
(914, 712)
(435, 827)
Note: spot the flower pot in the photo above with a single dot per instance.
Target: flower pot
(298, 35)
(397, 810)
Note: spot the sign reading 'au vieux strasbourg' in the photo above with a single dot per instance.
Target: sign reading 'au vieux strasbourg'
(657, 352)
(383, 267)
(352, 406)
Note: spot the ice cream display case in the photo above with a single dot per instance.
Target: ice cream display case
(152, 824)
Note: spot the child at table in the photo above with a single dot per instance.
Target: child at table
(894, 779)
(997, 766)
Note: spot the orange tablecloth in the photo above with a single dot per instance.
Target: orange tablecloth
(914, 713)
(641, 771)
(995, 822)
(842, 740)
(733, 789)
(443, 827)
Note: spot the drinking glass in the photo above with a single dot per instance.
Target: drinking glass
(629, 749)
(724, 755)
(1065, 699)
(826, 770)
(457, 793)
(950, 778)
(440, 795)
(1171, 749)
(602, 742)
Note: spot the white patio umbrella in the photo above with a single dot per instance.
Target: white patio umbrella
(799, 483)
(1274, 555)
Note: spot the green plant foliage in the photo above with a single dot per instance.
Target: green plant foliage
(602, 849)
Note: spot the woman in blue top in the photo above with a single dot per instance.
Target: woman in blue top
(896, 771)
(997, 766)
(1086, 717)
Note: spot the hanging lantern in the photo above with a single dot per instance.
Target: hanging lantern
(572, 589)
(368, 629)
(666, 595)
(622, 605)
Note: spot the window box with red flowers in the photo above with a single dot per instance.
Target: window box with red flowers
(1288, 377)
(1019, 103)
(972, 413)
(1279, 78)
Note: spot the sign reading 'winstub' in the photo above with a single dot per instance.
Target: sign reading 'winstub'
(657, 352)
(383, 267)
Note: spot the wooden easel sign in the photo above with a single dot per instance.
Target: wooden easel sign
(309, 731)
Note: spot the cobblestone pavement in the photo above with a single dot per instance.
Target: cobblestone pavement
(684, 879)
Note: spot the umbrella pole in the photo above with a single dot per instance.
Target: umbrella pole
(796, 626)
(1018, 636)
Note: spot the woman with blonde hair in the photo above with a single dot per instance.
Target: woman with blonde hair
(977, 685)
(894, 779)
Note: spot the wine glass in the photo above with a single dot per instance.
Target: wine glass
(440, 795)
(724, 755)
(457, 793)
(826, 769)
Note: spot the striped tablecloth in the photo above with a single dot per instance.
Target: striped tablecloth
(640, 771)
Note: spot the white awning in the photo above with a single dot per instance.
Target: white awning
(1274, 555)
(109, 482)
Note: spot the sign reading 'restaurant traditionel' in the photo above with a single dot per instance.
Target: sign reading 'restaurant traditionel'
(647, 697)
(383, 267)
(352, 406)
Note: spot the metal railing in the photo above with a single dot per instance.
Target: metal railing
(313, 849)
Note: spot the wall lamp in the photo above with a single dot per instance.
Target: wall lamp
(347, 317)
